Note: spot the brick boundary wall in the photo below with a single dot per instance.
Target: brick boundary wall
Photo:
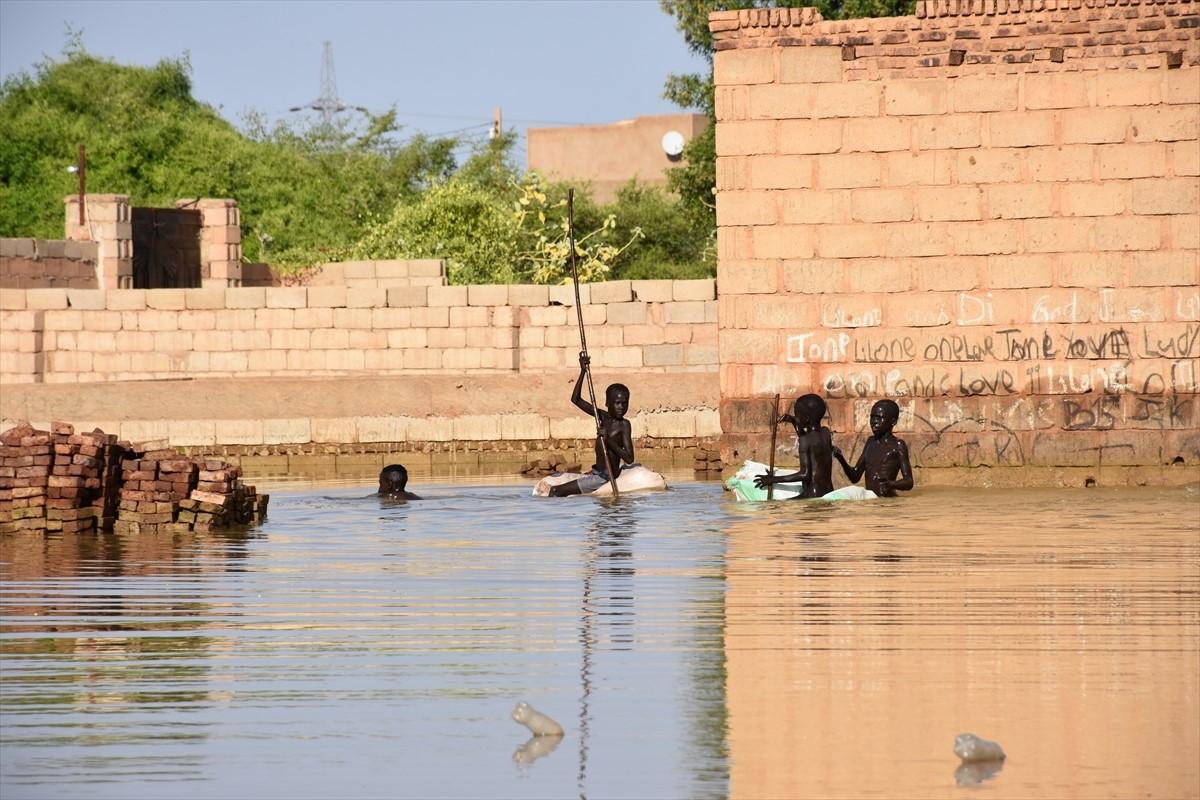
(468, 420)
(69, 336)
(377, 274)
(47, 264)
(987, 211)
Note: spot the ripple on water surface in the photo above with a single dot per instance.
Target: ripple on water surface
(690, 646)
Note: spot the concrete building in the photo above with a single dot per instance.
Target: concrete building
(608, 156)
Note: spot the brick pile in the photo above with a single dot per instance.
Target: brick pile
(553, 463)
(62, 481)
(26, 457)
(220, 499)
(707, 463)
(79, 483)
(154, 479)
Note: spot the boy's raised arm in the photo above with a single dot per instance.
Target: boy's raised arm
(577, 394)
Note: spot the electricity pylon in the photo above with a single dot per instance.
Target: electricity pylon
(328, 103)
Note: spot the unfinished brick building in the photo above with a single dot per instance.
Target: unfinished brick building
(987, 211)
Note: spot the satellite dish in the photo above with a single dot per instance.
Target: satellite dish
(672, 144)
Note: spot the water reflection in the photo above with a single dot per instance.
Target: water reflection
(860, 640)
(977, 772)
(606, 600)
(691, 646)
(85, 637)
(357, 648)
(537, 747)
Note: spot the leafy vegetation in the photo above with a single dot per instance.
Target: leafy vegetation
(314, 195)
(300, 191)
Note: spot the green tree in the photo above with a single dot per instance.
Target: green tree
(302, 191)
(494, 225)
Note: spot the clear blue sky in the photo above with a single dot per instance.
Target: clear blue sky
(443, 65)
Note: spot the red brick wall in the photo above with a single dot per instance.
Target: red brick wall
(987, 211)
(47, 264)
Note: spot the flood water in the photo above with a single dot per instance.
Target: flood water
(690, 646)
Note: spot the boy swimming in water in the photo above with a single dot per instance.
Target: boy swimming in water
(814, 443)
(392, 481)
(614, 429)
(884, 456)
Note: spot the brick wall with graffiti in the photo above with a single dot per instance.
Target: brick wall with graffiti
(984, 211)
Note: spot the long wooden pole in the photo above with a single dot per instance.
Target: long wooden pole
(612, 480)
(771, 458)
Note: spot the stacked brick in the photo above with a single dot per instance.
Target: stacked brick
(220, 241)
(40, 263)
(108, 224)
(707, 463)
(26, 458)
(62, 481)
(220, 499)
(555, 462)
(379, 274)
(79, 484)
(154, 479)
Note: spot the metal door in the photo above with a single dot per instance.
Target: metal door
(166, 248)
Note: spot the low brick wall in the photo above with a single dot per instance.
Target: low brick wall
(47, 263)
(464, 420)
(382, 274)
(68, 336)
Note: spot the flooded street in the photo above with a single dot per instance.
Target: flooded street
(690, 646)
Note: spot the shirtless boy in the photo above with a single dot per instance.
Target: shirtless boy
(614, 428)
(883, 457)
(392, 481)
(815, 445)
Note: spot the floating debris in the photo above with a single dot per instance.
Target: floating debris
(971, 749)
(537, 722)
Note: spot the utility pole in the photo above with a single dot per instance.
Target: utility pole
(80, 169)
(497, 124)
(81, 166)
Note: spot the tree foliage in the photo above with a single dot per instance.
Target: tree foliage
(310, 195)
(493, 224)
(299, 190)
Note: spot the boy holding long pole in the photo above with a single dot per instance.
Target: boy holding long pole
(614, 435)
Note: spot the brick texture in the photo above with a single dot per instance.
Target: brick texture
(998, 229)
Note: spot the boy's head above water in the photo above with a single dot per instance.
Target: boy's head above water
(616, 397)
(809, 410)
(884, 415)
(393, 479)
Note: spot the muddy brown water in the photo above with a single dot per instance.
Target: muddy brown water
(689, 645)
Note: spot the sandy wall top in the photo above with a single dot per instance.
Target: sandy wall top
(982, 36)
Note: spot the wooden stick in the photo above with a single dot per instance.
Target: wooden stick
(612, 481)
(774, 430)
